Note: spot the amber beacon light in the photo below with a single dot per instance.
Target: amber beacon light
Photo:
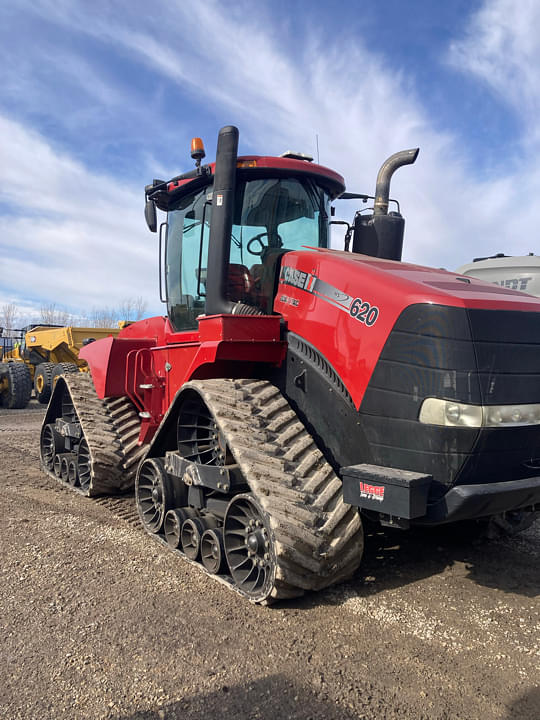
(197, 150)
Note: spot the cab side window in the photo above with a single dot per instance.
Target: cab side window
(187, 259)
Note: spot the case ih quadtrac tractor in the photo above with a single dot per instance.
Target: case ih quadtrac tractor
(292, 389)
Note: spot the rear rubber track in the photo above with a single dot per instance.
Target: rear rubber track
(110, 427)
(318, 539)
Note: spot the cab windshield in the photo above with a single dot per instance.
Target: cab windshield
(271, 216)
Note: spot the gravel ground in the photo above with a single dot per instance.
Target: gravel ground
(99, 621)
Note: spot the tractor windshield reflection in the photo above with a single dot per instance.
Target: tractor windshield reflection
(271, 216)
(281, 213)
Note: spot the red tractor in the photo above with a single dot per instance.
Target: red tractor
(293, 388)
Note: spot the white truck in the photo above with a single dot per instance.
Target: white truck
(514, 272)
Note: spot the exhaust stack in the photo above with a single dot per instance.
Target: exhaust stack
(388, 168)
(381, 234)
(222, 220)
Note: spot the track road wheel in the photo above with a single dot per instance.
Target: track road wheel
(154, 494)
(73, 473)
(248, 546)
(212, 552)
(19, 386)
(42, 382)
(64, 469)
(172, 526)
(62, 369)
(57, 466)
(190, 536)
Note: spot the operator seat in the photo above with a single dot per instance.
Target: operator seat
(241, 285)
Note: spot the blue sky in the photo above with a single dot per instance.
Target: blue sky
(98, 98)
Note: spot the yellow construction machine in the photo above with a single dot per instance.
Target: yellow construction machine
(37, 355)
(15, 377)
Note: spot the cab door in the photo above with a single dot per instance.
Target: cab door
(186, 259)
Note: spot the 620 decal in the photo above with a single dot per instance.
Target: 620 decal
(364, 312)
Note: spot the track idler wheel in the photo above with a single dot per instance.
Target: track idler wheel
(52, 443)
(84, 466)
(154, 493)
(212, 551)
(198, 435)
(172, 526)
(249, 547)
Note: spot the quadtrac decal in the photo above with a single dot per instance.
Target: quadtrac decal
(359, 309)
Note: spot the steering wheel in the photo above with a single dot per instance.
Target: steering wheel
(257, 239)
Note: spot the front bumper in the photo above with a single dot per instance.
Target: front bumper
(465, 502)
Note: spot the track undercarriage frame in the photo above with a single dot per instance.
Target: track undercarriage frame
(243, 492)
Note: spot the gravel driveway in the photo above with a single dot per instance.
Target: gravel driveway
(99, 621)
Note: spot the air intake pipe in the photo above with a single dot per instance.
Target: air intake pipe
(381, 234)
(221, 223)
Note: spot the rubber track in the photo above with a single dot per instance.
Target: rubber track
(318, 539)
(109, 427)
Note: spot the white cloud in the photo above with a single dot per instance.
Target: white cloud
(73, 237)
(501, 48)
(81, 236)
(360, 110)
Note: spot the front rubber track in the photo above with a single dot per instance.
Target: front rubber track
(318, 539)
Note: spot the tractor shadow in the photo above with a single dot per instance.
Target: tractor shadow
(268, 698)
(525, 707)
(394, 558)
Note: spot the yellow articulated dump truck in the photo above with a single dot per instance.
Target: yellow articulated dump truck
(36, 355)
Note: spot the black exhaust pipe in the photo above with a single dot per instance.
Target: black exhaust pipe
(219, 242)
(381, 234)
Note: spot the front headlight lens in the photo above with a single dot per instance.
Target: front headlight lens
(435, 411)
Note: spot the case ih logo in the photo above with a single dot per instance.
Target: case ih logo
(372, 492)
(297, 278)
(362, 310)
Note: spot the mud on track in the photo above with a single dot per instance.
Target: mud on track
(96, 621)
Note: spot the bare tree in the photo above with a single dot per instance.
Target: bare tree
(103, 317)
(132, 309)
(51, 315)
(8, 317)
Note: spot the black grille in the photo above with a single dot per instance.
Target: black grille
(485, 357)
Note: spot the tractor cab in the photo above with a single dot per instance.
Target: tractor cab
(276, 205)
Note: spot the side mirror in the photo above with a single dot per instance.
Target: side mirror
(150, 215)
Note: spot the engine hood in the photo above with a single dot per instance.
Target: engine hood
(347, 304)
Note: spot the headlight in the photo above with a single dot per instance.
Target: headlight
(435, 411)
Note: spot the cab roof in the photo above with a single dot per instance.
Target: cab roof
(251, 166)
